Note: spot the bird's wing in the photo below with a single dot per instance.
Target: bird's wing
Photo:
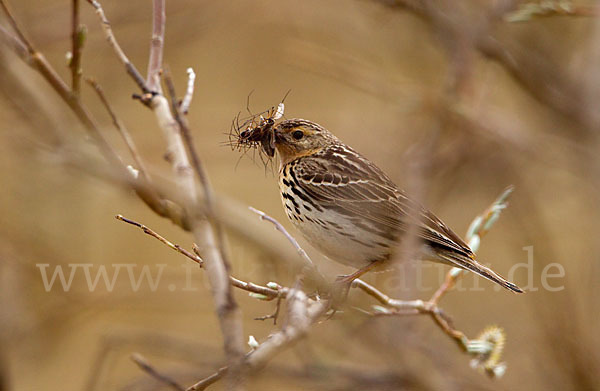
(340, 178)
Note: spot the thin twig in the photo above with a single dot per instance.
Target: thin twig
(156, 46)
(121, 129)
(268, 293)
(15, 26)
(212, 379)
(14, 42)
(77, 38)
(281, 228)
(145, 366)
(112, 41)
(189, 93)
(150, 232)
(274, 315)
(309, 266)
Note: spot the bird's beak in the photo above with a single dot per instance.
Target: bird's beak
(268, 142)
(268, 147)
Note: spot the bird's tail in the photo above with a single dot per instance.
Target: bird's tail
(468, 263)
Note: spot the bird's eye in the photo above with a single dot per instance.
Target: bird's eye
(298, 134)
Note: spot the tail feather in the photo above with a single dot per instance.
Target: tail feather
(471, 264)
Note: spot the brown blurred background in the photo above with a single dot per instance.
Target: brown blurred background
(449, 98)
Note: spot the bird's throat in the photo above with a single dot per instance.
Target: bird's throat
(288, 153)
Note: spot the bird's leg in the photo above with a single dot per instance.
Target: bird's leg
(343, 282)
(348, 278)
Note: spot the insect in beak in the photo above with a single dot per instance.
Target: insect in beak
(260, 130)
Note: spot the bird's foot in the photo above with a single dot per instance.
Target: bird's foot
(339, 291)
(342, 284)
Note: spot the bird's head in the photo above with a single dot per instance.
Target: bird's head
(297, 137)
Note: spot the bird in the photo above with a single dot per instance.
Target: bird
(349, 209)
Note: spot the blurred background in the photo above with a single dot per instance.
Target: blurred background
(454, 100)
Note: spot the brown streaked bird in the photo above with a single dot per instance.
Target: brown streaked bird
(348, 208)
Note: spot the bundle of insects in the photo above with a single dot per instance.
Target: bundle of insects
(256, 132)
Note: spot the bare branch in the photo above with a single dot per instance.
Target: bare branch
(189, 144)
(150, 370)
(209, 234)
(156, 46)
